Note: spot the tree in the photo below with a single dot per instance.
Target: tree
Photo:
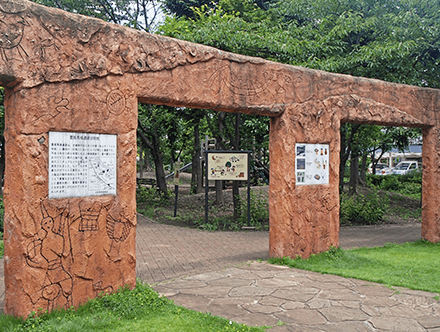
(149, 136)
(186, 8)
(181, 8)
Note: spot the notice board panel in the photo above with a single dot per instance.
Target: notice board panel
(312, 163)
(82, 164)
(227, 165)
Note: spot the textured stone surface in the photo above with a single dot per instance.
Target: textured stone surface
(63, 264)
(309, 313)
(64, 72)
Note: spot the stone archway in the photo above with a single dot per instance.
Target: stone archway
(72, 86)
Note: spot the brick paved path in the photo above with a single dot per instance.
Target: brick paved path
(165, 252)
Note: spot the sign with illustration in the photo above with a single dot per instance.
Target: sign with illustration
(227, 166)
(312, 163)
(81, 164)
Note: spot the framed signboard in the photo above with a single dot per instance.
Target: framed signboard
(81, 164)
(312, 164)
(230, 166)
(227, 165)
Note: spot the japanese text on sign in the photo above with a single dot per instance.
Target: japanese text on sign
(312, 164)
(81, 164)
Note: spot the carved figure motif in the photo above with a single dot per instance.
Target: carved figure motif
(11, 35)
(46, 251)
(56, 106)
(91, 217)
(116, 102)
(12, 6)
(118, 231)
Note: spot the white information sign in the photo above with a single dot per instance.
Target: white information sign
(81, 164)
(312, 163)
(227, 166)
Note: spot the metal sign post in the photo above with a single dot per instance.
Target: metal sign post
(176, 184)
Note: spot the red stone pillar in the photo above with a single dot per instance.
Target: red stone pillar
(431, 185)
(304, 219)
(59, 252)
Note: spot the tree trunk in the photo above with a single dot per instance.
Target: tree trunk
(153, 146)
(354, 171)
(141, 162)
(342, 159)
(364, 168)
(196, 175)
(219, 199)
(160, 174)
(346, 150)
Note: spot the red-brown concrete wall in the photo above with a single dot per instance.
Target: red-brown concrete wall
(67, 261)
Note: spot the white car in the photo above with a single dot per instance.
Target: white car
(381, 169)
(405, 167)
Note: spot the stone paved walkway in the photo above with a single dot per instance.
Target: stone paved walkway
(208, 272)
(295, 300)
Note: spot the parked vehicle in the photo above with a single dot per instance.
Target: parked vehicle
(381, 169)
(405, 167)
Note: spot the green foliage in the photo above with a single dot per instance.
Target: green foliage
(412, 265)
(259, 207)
(145, 194)
(130, 303)
(181, 8)
(150, 200)
(408, 184)
(360, 209)
(413, 177)
(140, 309)
(259, 215)
(411, 189)
(407, 214)
(391, 183)
(376, 39)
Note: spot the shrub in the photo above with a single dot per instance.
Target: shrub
(413, 177)
(151, 196)
(259, 207)
(391, 182)
(407, 184)
(360, 209)
(412, 189)
(375, 180)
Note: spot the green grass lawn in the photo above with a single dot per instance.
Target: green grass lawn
(413, 265)
(141, 309)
